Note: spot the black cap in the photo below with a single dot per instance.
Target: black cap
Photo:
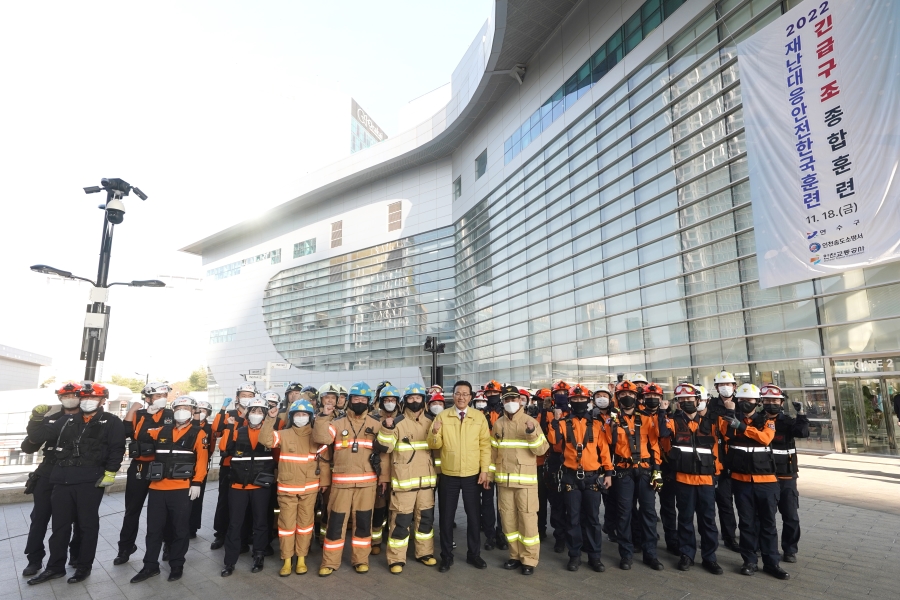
(508, 391)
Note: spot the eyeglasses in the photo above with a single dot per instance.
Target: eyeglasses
(462, 394)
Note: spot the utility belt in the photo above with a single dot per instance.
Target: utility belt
(692, 460)
(581, 480)
(785, 461)
(751, 460)
(138, 449)
(635, 472)
(259, 470)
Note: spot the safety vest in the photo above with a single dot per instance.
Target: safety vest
(784, 450)
(692, 451)
(137, 449)
(174, 460)
(247, 462)
(82, 444)
(746, 455)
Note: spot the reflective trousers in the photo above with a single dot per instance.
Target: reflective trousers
(699, 500)
(518, 515)
(296, 523)
(168, 509)
(412, 513)
(757, 504)
(41, 513)
(356, 504)
(725, 507)
(583, 532)
(635, 491)
(136, 489)
(789, 506)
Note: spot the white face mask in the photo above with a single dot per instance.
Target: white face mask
(301, 419)
(512, 407)
(183, 415)
(244, 402)
(390, 406)
(156, 406)
(481, 404)
(71, 402)
(702, 405)
(590, 404)
(435, 409)
(255, 419)
(726, 390)
(602, 402)
(89, 406)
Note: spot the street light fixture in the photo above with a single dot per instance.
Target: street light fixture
(96, 323)
(432, 346)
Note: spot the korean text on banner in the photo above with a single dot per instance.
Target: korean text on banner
(821, 101)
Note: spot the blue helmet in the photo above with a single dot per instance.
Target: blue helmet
(360, 388)
(389, 391)
(413, 389)
(301, 405)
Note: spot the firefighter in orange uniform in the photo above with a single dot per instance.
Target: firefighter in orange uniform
(178, 469)
(544, 416)
(558, 519)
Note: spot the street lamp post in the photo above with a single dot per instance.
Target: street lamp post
(432, 346)
(96, 323)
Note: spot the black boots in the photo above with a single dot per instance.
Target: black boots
(258, 560)
(124, 555)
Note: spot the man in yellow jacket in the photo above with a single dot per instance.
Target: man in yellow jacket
(462, 435)
(517, 440)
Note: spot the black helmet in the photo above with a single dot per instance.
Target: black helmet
(293, 387)
(313, 393)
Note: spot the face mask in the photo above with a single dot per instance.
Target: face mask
(182, 416)
(512, 407)
(201, 415)
(390, 406)
(746, 407)
(435, 409)
(652, 403)
(359, 407)
(590, 404)
(627, 402)
(579, 409)
(71, 403)
(255, 419)
(772, 409)
(481, 405)
(245, 402)
(301, 420)
(689, 407)
(702, 405)
(561, 401)
(602, 402)
(726, 390)
(415, 406)
(156, 406)
(494, 401)
(89, 406)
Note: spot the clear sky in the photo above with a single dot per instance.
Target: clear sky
(209, 108)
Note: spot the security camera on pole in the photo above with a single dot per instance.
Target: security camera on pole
(96, 322)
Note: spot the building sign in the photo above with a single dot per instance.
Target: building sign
(864, 365)
(820, 88)
(362, 116)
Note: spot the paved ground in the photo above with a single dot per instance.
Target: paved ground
(850, 514)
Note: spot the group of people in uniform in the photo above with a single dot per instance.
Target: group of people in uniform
(369, 461)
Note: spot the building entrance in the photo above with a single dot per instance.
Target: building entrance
(866, 405)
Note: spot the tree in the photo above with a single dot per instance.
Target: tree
(196, 382)
(133, 384)
(48, 382)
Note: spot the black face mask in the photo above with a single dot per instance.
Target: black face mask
(627, 402)
(359, 407)
(415, 406)
(689, 407)
(746, 407)
(651, 403)
(494, 402)
(579, 409)
(772, 409)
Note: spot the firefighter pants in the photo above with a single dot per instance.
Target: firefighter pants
(557, 499)
(725, 508)
(238, 501)
(667, 511)
(197, 509)
(542, 501)
(583, 533)
(356, 504)
(788, 506)
(518, 516)
(412, 512)
(379, 516)
(699, 500)
(168, 509)
(488, 512)
(635, 491)
(136, 488)
(295, 523)
(610, 514)
(757, 504)
(74, 503)
(40, 518)
(223, 515)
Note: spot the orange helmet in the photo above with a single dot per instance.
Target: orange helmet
(560, 386)
(524, 392)
(93, 390)
(543, 393)
(492, 386)
(69, 388)
(436, 397)
(653, 389)
(626, 386)
(579, 391)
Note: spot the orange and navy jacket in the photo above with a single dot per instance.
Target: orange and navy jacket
(142, 422)
(201, 458)
(693, 425)
(620, 432)
(595, 454)
(544, 418)
(223, 425)
(761, 435)
(232, 434)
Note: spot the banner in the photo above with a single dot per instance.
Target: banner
(821, 96)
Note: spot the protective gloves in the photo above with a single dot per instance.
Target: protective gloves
(38, 412)
(737, 424)
(109, 478)
(656, 481)
(194, 492)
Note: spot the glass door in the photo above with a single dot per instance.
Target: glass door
(867, 413)
(891, 388)
(851, 416)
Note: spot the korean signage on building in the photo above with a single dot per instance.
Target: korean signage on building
(821, 95)
(362, 116)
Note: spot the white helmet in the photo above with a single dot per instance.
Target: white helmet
(155, 387)
(246, 387)
(724, 377)
(258, 401)
(207, 406)
(184, 401)
(747, 390)
(704, 395)
(638, 378)
(330, 388)
(271, 396)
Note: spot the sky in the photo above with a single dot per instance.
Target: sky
(210, 109)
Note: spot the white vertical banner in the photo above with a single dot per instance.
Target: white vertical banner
(821, 96)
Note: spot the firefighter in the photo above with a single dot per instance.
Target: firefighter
(137, 421)
(39, 485)
(492, 408)
(543, 415)
(558, 519)
(178, 469)
(748, 438)
(299, 481)
(329, 394)
(635, 441)
(784, 452)
(341, 404)
(656, 405)
(586, 470)
(386, 401)
(639, 380)
(604, 411)
(693, 455)
(354, 478)
(202, 412)
(90, 445)
(403, 438)
(273, 401)
(724, 383)
(252, 476)
(222, 427)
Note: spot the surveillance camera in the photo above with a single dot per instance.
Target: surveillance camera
(115, 211)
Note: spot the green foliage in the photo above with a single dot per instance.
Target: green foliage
(132, 383)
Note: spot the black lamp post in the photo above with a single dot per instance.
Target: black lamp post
(431, 345)
(96, 327)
